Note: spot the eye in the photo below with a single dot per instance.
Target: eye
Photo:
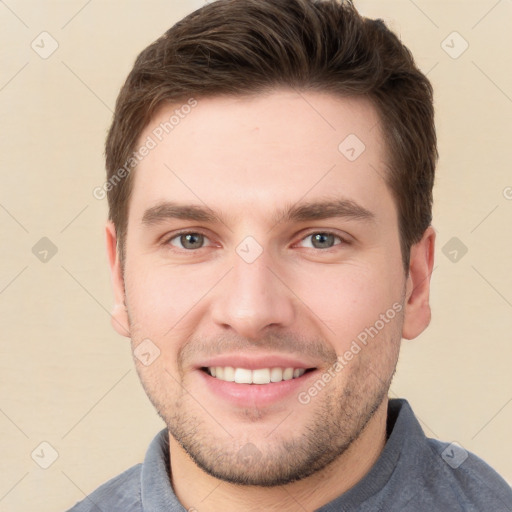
(192, 240)
(188, 240)
(322, 240)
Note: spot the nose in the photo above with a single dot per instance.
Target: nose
(252, 298)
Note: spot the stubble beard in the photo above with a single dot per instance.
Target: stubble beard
(335, 425)
(337, 420)
(340, 416)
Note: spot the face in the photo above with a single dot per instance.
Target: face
(263, 268)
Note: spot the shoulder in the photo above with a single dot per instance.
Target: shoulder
(433, 475)
(461, 477)
(119, 494)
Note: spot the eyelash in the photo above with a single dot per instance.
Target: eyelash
(167, 241)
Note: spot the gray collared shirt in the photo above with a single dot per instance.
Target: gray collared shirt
(412, 474)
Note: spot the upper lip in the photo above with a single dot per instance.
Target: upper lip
(253, 362)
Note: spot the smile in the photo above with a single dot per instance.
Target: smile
(256, 376)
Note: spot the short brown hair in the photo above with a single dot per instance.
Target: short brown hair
(242, 47)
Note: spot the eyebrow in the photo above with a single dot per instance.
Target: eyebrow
(316, 210)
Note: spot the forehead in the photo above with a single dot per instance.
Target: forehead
(248, 155)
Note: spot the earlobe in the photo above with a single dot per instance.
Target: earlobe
(119, 316)
(417, 305)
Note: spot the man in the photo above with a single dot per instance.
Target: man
(270, 171)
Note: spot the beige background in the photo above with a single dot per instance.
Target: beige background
(68, 379)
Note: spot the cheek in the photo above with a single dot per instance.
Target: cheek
(162, 297)
(347, 299)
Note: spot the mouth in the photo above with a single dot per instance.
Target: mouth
(258, 376)
(261, 380)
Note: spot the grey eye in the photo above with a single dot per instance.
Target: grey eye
(189, 241)
(321, 240)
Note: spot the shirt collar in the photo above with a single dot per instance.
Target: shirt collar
(157, 494)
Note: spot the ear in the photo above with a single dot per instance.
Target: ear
(417, 307)
(119, 317)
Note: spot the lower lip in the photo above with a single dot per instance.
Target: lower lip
(256, 395)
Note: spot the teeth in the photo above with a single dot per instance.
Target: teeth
(288, 374)
(259, 376)
(229, 373)
(243, 376)
(276, 375)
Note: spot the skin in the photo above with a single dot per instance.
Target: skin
(246, 158)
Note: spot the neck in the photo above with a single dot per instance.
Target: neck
(199, 491)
